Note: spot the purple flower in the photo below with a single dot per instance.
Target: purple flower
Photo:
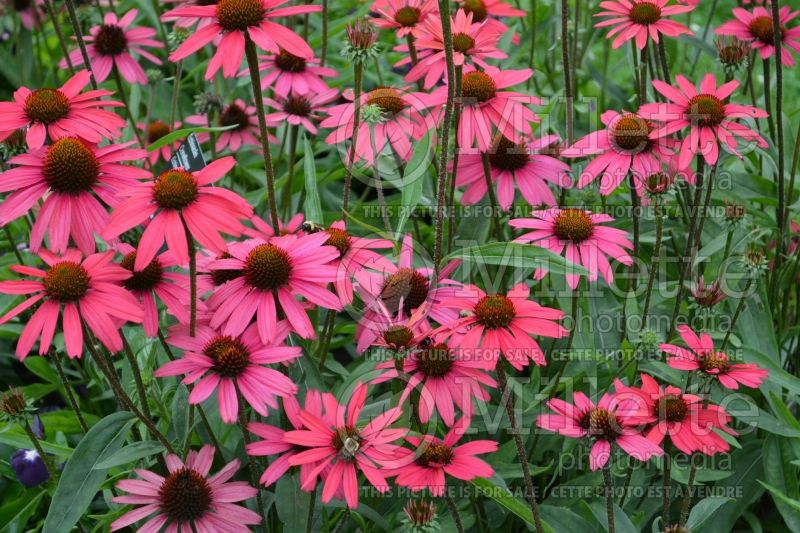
(29, 468)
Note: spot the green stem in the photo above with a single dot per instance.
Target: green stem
(348, 175)
(451, 504)
(286, 200)
(255, 81)
(76, 29)
(119, 391)
(609, 496)
(665, 495)
(251, 462)
(502, 381)
(68, 392)
(444, 137)
(192, 278)
(124, 98)
(737, 314)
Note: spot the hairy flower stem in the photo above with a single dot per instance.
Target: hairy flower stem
(176, 86)
(255, 81)
(358, 69)
(736, 314)
(451, 219)
(451, 504)
(662, 55)
(487, 174)
(686, 265)
(286, 200)
(48, 4)
(567, 73)
(690, 490)
(656, 259)
(644, 59)
(768, 97)
(68, 392)
(192, 278)
(502, 381)
(312, 504)
(703, 214)
(609, 497)
(342, 520)
(26, 427)
(324, 52)
(780, 212)
(76, 29)
(444, 137)
(253, 467)
(119, 391)
(124, 98)
(665, 496)
(137, 376)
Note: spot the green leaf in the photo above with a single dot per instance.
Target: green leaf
(311, 207)
(506, 499)
(782, 476)
(18, 439)
(703, 510)
(15, 515)
(622, 523)
(413, 178)
(518, 255)
(182, 134)
(778, 495)
(130, 453)
(180, 413)
(40, 367)
(80, 480)
(291, 503)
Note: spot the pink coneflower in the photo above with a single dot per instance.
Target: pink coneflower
(336, 441)
(274, 443)
(641, 18)
(232, 365)
(524, 166)
(624, 146)
(612, 420)
(90, 291)
(154, 131)
(391, 331)
(231, 19)
(472, 43)
(707, 114)
(701, 356)
(189, 21)
(273, 274)
(689, 423)
(285, 73)
(485, 107)
(501, 324)
(300, 110)
(172, 288)
(109, 45)
(403, 15)
(445, 378)
(177, 197)
(434, 458)
(390, 118)
(579, 236)
(76, 180)
(707, 295)
(62, 112)
(481, 9)
(757, 29)
(355, 254)
(401, 289)
(244, 133)
(187, 499)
